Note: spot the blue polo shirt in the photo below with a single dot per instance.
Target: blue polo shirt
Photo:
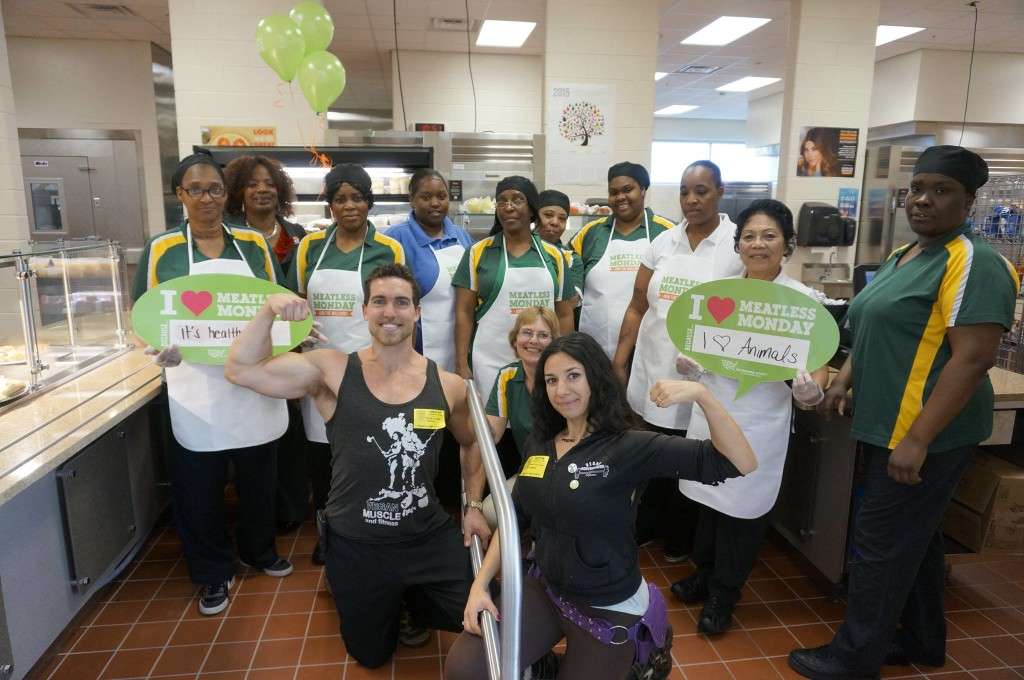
(418, 246)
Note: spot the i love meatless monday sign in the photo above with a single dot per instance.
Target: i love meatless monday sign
(204, 313)
(752, 331)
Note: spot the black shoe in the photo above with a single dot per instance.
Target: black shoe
(691, 590)
(409, 634)
(897, 656)
(287, 527)
(675, 555)
(280, 568)
(319, 558)
(213, 599)
(715, 617)
(819, 663)
(544, 668)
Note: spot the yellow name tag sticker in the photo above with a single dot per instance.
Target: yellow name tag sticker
(428, 419)
(535, 466)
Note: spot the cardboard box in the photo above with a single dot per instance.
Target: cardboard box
(987, 512)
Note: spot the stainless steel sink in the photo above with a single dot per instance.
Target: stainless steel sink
(821, 272)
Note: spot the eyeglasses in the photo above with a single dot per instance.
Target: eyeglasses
(529, 334)
(516, 202)
(215, 191)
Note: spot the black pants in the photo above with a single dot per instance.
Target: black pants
(198, 484)
(292, 498)
(319, 457)
(725, 549)
(370, 582)
(542, 627)
(898, 575)
(664, 512)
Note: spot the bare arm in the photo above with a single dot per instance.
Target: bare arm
(974, 349)
(631, 323)
(479, 594)
(249, 364)
(473, 475)
(465, 305)
(835, 395)
(564, 310)
(726, 435)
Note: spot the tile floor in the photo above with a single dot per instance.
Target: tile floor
(145, 625)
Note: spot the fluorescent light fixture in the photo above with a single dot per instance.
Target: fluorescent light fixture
(658, 75)
(886, 34)
(747, 84)
(495, 33)
(675, 110)
(724, 30)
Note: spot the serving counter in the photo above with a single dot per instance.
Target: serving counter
(81, 486)
(817, 497)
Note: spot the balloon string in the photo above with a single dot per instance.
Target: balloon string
(317, 157)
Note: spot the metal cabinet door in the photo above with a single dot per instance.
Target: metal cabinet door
(72, 175)
(96, 502)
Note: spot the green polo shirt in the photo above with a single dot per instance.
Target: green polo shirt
(591, 241)
(378, 249)
(900, 344)
(482, 269)
(165, 257)
(574, 269)
(510, 400)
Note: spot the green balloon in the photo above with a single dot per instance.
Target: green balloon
(316, 25)
(281, 45)
(322, 79)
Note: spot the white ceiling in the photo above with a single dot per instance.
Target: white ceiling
(367, 37)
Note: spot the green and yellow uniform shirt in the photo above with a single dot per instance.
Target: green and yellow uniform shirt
(900, 346)
(482, 269)
(510, 400)
(574, 267)
(590, 242)
(165, 257)
(377, 250)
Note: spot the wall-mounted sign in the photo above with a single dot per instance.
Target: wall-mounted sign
(847, 202)
(455, 189)
(217, 135)
(901, 198)
(579, 133)
(827, 152)
(429, 127)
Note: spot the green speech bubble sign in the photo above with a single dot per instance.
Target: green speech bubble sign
(752, 331)
(204, 313)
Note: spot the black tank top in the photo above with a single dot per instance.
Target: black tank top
(384, 460)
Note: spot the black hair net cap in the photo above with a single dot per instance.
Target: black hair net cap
(963, 165)
(351, 174)
(553, 197)
(200, 157)
(634, 170)
(523, 186)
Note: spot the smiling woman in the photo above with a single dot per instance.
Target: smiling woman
(260, 195)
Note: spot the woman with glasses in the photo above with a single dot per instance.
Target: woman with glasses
(329, 269)
(500, 276)
(213, 421)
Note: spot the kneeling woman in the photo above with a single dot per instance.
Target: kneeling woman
(574, 491)
(734, 516)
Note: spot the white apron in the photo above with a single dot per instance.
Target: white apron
(437, 309)
(655, 356)
(208, 413)
(491, 349)
(346, 329)
(608, 288)
(764, 414)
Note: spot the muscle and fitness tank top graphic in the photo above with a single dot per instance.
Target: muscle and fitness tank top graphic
(384, 460)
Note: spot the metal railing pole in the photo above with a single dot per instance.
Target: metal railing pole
(503, 665)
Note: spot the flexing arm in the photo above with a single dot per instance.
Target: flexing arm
(726, 435)
(631, 324)
(974, 350)
(287, 376)
(465, 305)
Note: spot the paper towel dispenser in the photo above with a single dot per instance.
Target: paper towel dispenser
(820, 224)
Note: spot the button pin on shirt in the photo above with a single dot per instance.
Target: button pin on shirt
(574, 484)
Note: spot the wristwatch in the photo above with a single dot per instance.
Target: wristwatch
(474, 505)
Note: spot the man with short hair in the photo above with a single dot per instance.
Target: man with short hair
(388, 538)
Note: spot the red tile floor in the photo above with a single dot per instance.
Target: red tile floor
(145, 625)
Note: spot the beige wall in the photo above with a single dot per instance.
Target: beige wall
(13, 220)
(219, 78)
(607, 42)
(92, 84)
(894, 95)
(764, 120)
(698, 130)
(996, 92)
(437, 89)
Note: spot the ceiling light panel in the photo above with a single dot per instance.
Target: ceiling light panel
(496, 33)
(675, 110)
(747, 84)
(887, 34)
(724, 30)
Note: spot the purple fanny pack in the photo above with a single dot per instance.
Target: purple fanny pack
(648, 633)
